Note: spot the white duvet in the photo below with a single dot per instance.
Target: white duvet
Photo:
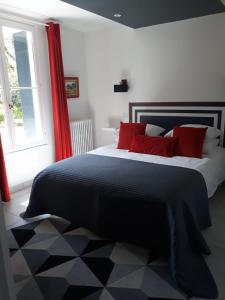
(212, 166)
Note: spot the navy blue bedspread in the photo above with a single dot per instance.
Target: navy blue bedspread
(162, 207)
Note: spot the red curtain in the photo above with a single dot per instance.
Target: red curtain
(4, 187)
(63, 148)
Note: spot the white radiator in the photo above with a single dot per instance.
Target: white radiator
(81, 136)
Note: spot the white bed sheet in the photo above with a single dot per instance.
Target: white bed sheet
(212, 166)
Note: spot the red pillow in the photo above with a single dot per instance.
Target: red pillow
(190, 141)
(155, 145)
(127, 132)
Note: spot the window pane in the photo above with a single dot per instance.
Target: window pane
(24, 105)
(18, 51)
(3, 128)
(25, 115)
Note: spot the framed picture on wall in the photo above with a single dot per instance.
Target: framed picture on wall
(72, 87)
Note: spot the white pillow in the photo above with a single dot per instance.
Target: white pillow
(169, 133)
(153, 130)
(116, 135)
(209, 145)
(212, 132)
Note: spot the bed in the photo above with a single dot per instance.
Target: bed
(158, 202)
(212, 167)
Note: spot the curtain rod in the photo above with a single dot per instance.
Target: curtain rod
(21, 19)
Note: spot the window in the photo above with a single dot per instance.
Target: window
(20, 117)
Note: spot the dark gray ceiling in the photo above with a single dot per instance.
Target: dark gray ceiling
(142, 13)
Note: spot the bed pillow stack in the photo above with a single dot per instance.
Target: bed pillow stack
(144, 138)
(150, 130)
(188, 140)
(210, 139)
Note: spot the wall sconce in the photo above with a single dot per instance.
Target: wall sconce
(122, 87)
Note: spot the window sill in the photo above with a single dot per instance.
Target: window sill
(25, 148)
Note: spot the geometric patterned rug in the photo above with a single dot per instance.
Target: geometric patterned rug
(52, 260)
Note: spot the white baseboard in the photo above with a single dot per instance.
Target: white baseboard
(21, 186)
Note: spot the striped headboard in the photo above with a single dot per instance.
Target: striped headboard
(171, 114)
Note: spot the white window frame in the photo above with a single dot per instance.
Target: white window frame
(6, 87)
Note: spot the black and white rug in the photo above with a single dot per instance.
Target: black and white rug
(53, 261)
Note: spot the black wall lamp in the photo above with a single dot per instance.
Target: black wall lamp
(122, 87)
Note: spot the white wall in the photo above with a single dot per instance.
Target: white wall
(22, 166)
(75, 65)
(180, 61)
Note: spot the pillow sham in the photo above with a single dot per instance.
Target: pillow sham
(155, 145)
(127, 132)
(153, 130)
(190, 141)
(209, 145)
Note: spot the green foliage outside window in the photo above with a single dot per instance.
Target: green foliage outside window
(12, 73)
(2, 119)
